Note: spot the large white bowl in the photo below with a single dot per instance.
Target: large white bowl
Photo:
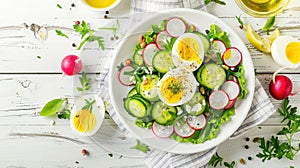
(117, 91)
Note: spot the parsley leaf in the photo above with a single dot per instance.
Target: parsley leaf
(215, 1)
(141, 147)
(216, 33)
(216, 159)
(65, 114)
(170, 44)
(60, 33)
(59, 6)
(85, 83)
(239, 19)
(274, 148)
(269, 24)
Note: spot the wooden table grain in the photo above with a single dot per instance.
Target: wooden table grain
(30, 76)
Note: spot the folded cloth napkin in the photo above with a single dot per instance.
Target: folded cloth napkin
(261, 108)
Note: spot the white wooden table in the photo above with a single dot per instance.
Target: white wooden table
(28, 82)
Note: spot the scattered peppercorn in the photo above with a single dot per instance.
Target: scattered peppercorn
(84, 152)
(107, 12)
(246, 147)
(105, 16)
(249, 158)
(242, 161)
(241, 26)
(110, 155)
(73, 45)
(77, 22)
(76, 162)
(117, 37)
(112, 38)
(73, 5)
(259, 127)
(206, 31)
(247, 139)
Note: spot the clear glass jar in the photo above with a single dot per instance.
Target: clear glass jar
(262, 8)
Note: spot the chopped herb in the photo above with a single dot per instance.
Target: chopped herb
(114, 28)
(65, 114)
(87, 35)
(269, 24)
(275, 148)
(215, 1)
(110, 155)
(141, 147)
(39, 57)
(85, 83)
(59, 6)
(170, 44)
(217, 159)
(239, 19)
(88, 105)
(120, 156)
(60, 33)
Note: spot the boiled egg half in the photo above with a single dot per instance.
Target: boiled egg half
(188, 51)
(177, 87)
(286, 51)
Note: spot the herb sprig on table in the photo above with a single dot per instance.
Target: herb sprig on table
(216, 159)
(215, 1)
(85, 83)
(275, 148)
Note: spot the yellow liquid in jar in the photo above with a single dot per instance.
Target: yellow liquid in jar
(100, 3)
(262, 5)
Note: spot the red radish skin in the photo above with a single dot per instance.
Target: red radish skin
(121, 72)
(232, 65)
(71, 65)
(161, 136)
(230, 104)
(281, 88)
(169, 32)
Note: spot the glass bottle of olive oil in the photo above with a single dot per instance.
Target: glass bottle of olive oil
(262, 5)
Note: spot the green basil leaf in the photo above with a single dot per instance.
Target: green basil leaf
(52, 107)
(269, 24)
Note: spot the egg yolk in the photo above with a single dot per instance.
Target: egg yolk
(100, 3)
(293, 52)
(189, 49)
(84, 121)
(171, 90)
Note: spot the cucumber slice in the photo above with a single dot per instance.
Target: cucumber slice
(205, 41)
(163, 114)
(132, 92)
(162, 61)
(136, 107)
(196, 105)
(148, 89)
(138, 57)
(182, 129)
(211, 76)
(162, 131)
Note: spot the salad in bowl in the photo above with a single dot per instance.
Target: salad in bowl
(181, 83)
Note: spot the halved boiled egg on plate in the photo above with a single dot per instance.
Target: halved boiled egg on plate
(286, 51)
(188, 51)
(87, 116)
(177, 87)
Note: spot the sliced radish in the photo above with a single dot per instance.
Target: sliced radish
(126, 80)
(218, 99)
(161, 39)
(230, 104)
(219, 46)
(232, 88)
(162, 131)
(148, 53)
(175, 27)
(232, 57)
(182, 129)
(196, 122)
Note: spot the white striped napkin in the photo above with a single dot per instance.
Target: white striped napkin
(261, 108)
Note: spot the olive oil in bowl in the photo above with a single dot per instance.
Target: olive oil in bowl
(262, 8)
(101, 5)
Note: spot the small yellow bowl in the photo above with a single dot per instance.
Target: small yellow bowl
(100, 5)
(262, 8)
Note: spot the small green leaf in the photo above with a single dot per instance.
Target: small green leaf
(59, 6)
(60, 33)
(269, 24)
(239, 19)
(39, 57)
(52, 107)
(65, 114)
(141, 147)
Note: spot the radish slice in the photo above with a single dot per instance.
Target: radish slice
(182, 129)
(148, 53)
(161, 39)
(162, 131)
(232, 57)
(232, 88)
(218, 99)
(126, 80)
(219, 46)
(175, 27)
(196, 122)
(230, 104)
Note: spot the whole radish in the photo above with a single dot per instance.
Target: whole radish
(280, 87)
(71, 65)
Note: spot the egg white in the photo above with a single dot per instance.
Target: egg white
(187, 80)
(278, 51)
(182, 63)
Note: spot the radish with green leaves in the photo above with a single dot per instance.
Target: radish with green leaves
(71, 65)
